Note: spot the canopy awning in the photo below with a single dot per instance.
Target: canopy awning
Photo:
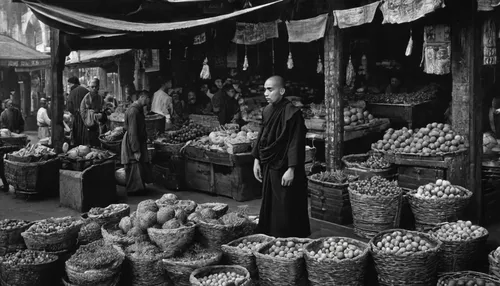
(18, 55)
(93, 56)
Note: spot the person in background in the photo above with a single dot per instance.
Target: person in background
(219, 83)
(279, 154)
(76, 95)
(130, 93)
(92, 111)
(11, 118)
(395, 86)
(43, 120)
(205, 91)
(162, 99)
(225, 105)
(196, 105)
(110, 102)
(179, 108)
(134, 154)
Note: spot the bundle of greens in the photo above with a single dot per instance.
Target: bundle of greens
(96, 255)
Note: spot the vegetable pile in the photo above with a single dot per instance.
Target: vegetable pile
(466, 281)
(222, 279)
(249, 246)
(195, 253)
(109, 210)
(96, 255)
(52, 225)
(216, 140)
(87, 153)
(337, 176)
(459, 231)
(332, 249)
(27, 257)
(356, 116)
(401, 243)
(143, 249)
(375, 162)
(36, 150)
(114, 135)
(441, 189)
(286, 249)
(9, 224)
(376, 186)
(184, 134)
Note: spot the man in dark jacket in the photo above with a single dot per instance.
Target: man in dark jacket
(75, 97)
(12, 118)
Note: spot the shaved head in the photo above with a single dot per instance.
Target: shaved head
(275, 89)
(277, 81)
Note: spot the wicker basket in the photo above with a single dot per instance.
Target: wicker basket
(205, 271)
(114, 282)
(114, 217)
(445, 277)
(168, 148)
(89, 232)
(234, 255)
(11, 239)
(372, 214)
(460, 255)
(431, 212)
(173, 241)
(114, 146)
(215, 235)
(62, 240)
(33, 178)
(220, 209)
(179, 271)
(333, 271)
(155, 123)
(276, 271)
(109, 235)
(144, 271)
(29, 275)
(494, 264)
(419, 268)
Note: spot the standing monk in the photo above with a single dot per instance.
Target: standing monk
(93, 115)
(134, 145)
(279, 164)
(75, 98)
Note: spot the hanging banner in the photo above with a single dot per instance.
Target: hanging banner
(489, 42)
(404, 11)
(306, 31)
(251, 34)
(487, 5)
(200, 39)
(437, 49)
(355, 16)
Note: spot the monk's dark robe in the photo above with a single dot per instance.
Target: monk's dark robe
(280, 145)
(75, 98)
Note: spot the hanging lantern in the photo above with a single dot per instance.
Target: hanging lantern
(350, 73)
(245, 62)
(205, 70)
(169, 50)
(289, 63)
(409, 48)
(319, 67)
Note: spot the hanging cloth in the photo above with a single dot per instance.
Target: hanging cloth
(397, 11)
(306, 31)
(289, 63)
(251, 34)
(436, 49)
(350, 73)
(319, 67)
(409, 47)
(356, 16)
(245, 62)
(489, 42)
(205, 70)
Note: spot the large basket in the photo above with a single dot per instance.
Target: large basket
(445, 277)
(28, 275)
(372, 214)
(354, 167)
(89, 232)
(33, 178)
(114, 282)
(179, 271)
(234, 255)
(144, 271)
(276, 271)
(215, 235)
(220, 209)
(431, 212)
(173, 241)
(415, 269)
(11, 239)
(460, 255)
(64, 239)
(333, 271)
(494, 264)
(109, 234)
(114, 217)
(114, 146)
(205, 271)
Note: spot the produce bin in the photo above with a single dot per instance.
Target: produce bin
(414, 115)
(36, 178)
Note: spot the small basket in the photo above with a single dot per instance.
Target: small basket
(114, 146)
(236, 256)
(460, 255)
(333, 271)
(11, 240)
(445, 277)
(179, 271)
(372, 214)
(431, 212)
(494, 264)
(220, 209)
(215, 235)
(173, 241)
(205, 271)
(276, 271)
(28, 275)
(144, 271)
(65, 239)
(416, 269)
(114, 217)
(109, 235)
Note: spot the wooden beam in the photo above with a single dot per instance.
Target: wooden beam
(467, 95)
(334, 76)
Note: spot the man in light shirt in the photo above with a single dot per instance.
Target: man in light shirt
(43, 120)
(162, 99)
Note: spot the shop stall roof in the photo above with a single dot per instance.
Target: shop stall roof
(93, 57)
(18, 55)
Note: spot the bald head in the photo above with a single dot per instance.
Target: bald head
(277, 81)
(275, 89)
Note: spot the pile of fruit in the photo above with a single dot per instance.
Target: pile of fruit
(209, 216)
(114, 135)
(337, 177)
(376, 186)
(401, 243)
(459, 231)
(441, 189)
(223, 278)
(9, 224)
(286, 249)
(27, 257)
(375, 162)
(356, 116)
(87, 153)
(96, 255)
(249, 246)
(107, 211)
(36, 150)
(53, 225)
(184, 134)
(254, 115)
(143, 249)
(435, 138)
(332, 249)
(466, 281)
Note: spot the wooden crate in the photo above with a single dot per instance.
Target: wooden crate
(414, 115)
(330, 203)
(198, 175)
(169, 174)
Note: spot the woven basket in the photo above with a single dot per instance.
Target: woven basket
(11, 239)
(494, 264)
(86, 234)
(168, 148)
(215, 235)
(205, 271)
(33, 178)
(114, 217)
(277, 271)
(109, 235)
(333, 271)
(144, 271)
(460, 255)
(179, 271)
(445, 277)
(431, 212)
(416, 269)
(372, 214)
(220, 209)
(114, 146)
(114, 282)
(234, 255)
(62, 240)
(173, 241)
(29, 275)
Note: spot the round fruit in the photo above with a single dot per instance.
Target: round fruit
(440, 189)
(459, 231)
(376, 186)
(27, 257)
(336, 249)
(9, 224)
(286, 249)
(403, 243)
(249, 246)
(223, 278)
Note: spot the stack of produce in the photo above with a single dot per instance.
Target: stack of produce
(354, 116)
(336, 261)
(97, 217)
(368, 165)
(434, 139)
(376, 205)
(84, 152)
(427, 93)
(28, 268)
(225, 141)
(184, 134)
(114, 135)
(220, 275)
(404, 257)
(494, 260)
(96, 263)
(491, 145)
(281, 262)
(438, 202)
(10, 235)
(254, 115)
(32, 153)
(463, 244)
(53, 234)
(467, 278)
(143, 265)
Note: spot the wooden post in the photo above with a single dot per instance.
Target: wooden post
(334, 75)
(467, 95)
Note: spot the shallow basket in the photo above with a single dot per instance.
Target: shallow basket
(372, 214)
(173, 241)
(114, 217)
(431, 212)
(460, 255)
(494, 265)
(65, 239)
(416, 269)
(179, 271)
(205, 271)
(276, 271)
(11, 239)
(333, 271)
(144, 271)
(445, 277)
(108, 234)
(220, 209)
(215, 235)
(29, 275)
(234, 255)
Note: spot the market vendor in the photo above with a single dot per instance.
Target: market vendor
(225, 106)
(43, 120)
(162, 99)
(206, 91)
(395, 86)
(11, 118)
(197, 104)
(178, 108)
(92, 111)
(75, 98)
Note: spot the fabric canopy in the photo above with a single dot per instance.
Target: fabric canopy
(80, 23)
(84, 57)
(18, 55)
